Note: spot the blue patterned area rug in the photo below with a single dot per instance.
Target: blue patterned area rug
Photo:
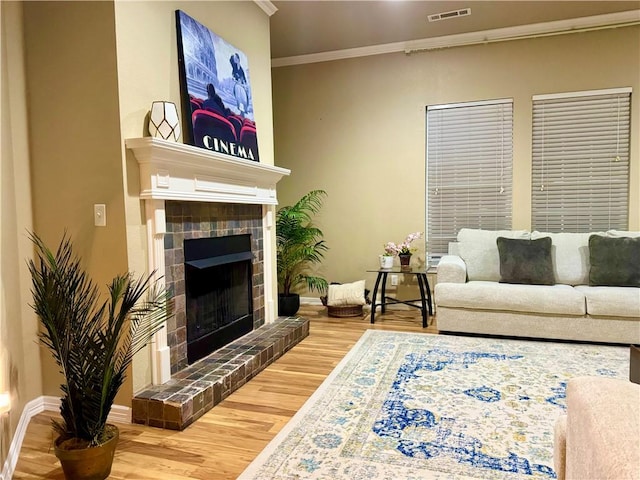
(419, 406)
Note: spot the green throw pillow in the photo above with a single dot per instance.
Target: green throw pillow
(615, 261)
(526, 261)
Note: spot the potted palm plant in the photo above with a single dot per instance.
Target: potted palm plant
(93, 341)
(299, 245)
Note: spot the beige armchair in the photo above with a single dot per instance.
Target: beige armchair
(599, 437)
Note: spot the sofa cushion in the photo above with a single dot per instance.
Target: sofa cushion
(479, 250)
(614, 261)
(570, 256)
(525, 261)
(543, 299)
(612, 301)
(622, 233)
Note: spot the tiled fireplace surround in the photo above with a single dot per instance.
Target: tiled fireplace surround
(192, 193)
(186, 220)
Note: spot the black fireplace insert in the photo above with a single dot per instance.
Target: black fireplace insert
(219, 303)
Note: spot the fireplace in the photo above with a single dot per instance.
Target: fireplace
(212, 245)
(219, 304)
(191, 193)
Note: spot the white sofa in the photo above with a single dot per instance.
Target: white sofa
(470, 298)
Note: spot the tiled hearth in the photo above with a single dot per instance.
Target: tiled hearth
(196, 389)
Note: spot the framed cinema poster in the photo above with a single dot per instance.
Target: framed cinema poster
(216, 91)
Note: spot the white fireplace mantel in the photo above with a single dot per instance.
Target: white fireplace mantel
(175, 171)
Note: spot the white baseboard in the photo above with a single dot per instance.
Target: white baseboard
(118, 414)
(310, 301)
(51, 404)
(317, 301)
(30, 410)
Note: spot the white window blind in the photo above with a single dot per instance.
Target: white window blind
(580, 172)
(469, 170)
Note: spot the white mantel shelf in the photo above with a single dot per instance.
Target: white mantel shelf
(175, 171)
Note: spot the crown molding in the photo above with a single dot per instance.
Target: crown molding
(268, 7)
(339, 54)
(559, 27)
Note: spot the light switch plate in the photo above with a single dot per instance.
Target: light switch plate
(100, 215)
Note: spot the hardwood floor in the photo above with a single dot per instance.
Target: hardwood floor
(226, 439)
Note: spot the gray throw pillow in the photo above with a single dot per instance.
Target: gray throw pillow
(615, 261)
(526, 261)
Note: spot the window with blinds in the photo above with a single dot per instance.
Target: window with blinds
(580, 171)
(469, 170)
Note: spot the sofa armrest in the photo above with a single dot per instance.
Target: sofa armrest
(451, 269)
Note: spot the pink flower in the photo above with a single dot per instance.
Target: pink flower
(403, 248)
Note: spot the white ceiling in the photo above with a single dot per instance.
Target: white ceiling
(302, 27)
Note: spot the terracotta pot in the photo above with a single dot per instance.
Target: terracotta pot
(91, 463)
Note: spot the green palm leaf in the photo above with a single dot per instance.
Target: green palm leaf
(93, 343)
(299, 244)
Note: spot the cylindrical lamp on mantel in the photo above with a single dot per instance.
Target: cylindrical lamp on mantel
(163, 121)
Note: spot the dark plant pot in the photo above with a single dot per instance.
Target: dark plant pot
(92, 463)
(288, 305)
(405, 261)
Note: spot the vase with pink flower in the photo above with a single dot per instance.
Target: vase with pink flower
(403, 250)
(386, 260)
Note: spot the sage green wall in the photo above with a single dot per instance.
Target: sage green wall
(148, 71)
(356, 128)
(74, 128)
(19, 353)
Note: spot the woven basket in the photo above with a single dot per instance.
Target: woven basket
(343, 310)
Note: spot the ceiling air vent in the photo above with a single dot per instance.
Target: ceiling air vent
(463, 12)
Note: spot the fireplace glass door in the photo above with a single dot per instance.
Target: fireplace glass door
(219, 304)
